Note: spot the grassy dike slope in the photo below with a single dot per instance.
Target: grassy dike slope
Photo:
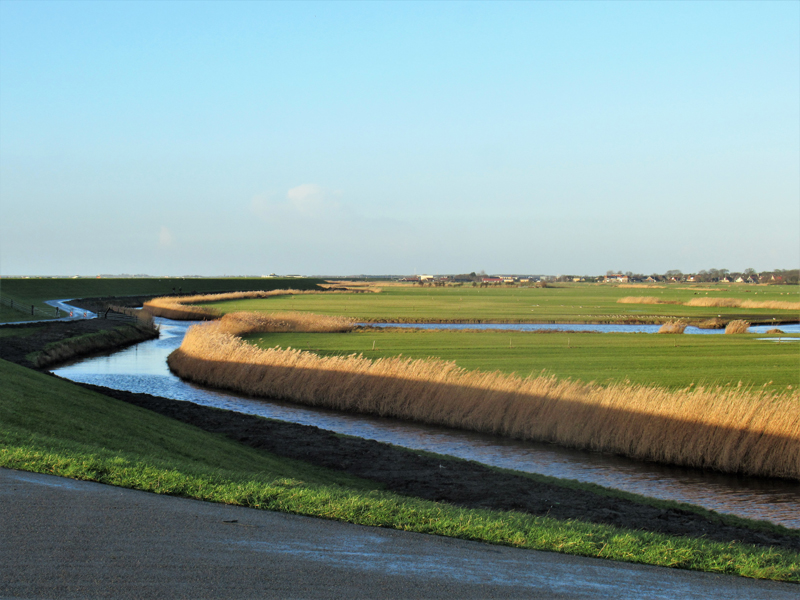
(34, 291)
(51, 426)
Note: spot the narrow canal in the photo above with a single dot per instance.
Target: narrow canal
(142, 368)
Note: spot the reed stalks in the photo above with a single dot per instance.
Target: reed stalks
(737, 303)
(715, 302)
(673, 327)
(645, 300)
(180, 308)
(714, 323)
(241, 323)
(737, 327)
(729, 429)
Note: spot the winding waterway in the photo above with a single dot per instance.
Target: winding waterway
(142, 368)
(580, 327)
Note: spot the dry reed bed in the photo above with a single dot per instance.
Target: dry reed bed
(737, 303)
(673, 327)
(737, 326)
(724, 428)
(715, 302)
(240, 323)
(645, 300)
(180, 308)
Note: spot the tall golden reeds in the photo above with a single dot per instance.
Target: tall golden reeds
(729, 429)
(714, 302)
(644, 300)
(240, 323)
(737, 303)
(713, 323)
(673, 327)
(180, 308)
(737, 327)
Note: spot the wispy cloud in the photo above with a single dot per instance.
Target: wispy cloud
(165, 238)
(303, 202)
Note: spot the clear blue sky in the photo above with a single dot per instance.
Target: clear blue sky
(344, 138)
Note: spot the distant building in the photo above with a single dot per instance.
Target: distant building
(617, 278)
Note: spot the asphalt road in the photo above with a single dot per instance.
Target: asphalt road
(61, 538)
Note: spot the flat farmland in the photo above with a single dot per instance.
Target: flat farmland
(36, 290)
(671, 361)
(575, 303)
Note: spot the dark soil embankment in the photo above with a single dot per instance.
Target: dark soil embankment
(100, 304)
(46, 343)
(404, 471)
(453, 481)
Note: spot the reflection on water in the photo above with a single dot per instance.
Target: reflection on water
(596, 327)
(142, 368)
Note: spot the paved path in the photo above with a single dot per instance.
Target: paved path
(61, 538)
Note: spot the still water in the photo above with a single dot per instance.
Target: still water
(143, 369)
(595, 327)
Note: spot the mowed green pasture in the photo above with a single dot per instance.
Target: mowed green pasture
(34, 291)
(571, 303)
(51, 426)
(672, 361)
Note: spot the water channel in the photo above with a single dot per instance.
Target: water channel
(582, 327)
(142, 368)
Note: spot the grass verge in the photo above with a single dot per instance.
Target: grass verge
(51, 426)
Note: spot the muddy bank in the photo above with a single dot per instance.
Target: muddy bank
(100, 304)
(441, 479)
(39, 345)
(408, 472)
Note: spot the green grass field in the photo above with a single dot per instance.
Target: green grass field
(671, 361)
(51, 426)
(34, 291)
(12, 315)
(572, 303)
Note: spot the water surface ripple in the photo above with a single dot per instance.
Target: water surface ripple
(142, 368)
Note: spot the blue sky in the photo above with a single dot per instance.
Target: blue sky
(346, 138)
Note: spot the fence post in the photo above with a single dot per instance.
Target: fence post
(31, 309)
